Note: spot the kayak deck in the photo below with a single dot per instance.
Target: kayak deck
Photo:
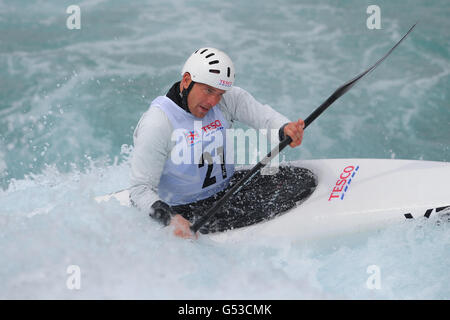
(263, 198)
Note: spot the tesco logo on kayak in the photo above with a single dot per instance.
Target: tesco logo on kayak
(343, 183)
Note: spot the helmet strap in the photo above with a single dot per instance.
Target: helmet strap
(184, 96)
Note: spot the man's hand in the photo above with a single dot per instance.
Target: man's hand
(182, 227)
(295, 131)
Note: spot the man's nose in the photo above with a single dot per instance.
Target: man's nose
(213, 100)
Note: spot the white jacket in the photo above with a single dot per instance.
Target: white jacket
(153, 144)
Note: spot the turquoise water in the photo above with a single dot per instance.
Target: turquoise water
(70, 99)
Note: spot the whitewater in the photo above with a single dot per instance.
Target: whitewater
(70, 100)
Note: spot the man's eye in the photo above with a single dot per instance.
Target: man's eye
(212, 92)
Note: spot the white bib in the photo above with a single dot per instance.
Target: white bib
(196, 168)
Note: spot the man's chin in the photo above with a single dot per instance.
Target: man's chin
(201, 113)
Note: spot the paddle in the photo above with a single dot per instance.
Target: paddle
(336, 95)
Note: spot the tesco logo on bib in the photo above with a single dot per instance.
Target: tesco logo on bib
(212, 126)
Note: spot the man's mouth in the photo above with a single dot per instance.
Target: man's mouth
(204, 109)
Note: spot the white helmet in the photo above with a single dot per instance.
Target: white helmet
(212, 67)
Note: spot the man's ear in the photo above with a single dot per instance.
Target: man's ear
(186, 80)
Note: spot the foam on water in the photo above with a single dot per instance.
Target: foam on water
(49, 222)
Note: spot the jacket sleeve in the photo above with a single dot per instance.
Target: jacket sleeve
(152, 145)
(238, 104)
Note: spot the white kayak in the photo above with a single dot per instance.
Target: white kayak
(352, 195)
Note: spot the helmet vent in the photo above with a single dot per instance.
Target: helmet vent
(209, 55)
(214, 62)
(203, 51)
(214, 71)
(228, 72)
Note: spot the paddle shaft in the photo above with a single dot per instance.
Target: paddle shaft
(314, 115)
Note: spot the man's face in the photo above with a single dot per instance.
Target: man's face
(202, 98)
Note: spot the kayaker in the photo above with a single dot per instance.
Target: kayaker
(204, 99)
